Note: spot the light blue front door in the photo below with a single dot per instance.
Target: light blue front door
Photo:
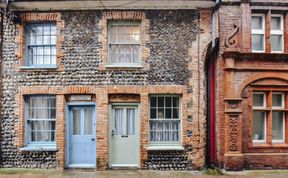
(82, 137)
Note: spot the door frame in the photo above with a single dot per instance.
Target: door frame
(137, 105)
(67, 112)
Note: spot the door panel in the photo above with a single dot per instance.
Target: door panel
(124, 136)
(82, 134)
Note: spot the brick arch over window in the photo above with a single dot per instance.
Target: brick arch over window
(260, 76)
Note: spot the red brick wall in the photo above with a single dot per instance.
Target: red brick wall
(237, 68)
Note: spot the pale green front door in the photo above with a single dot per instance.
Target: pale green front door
(124, 136)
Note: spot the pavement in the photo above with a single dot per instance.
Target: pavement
(44, 173)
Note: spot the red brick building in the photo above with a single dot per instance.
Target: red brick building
(250, 127)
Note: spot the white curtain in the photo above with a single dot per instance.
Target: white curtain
(164, 130)
(130, 121)
(41, 129)
(118, 121)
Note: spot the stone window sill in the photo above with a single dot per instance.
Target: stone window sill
(39, 148)
(273, 145)
(38, 67)
(124, 67)
(165, 147)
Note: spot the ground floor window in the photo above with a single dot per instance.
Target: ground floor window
(269, 111)
(40, 119)
(165, 120)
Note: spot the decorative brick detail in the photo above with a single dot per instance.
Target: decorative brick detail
(233, 133)
(232, 42)
(27, 18)
(103, 37)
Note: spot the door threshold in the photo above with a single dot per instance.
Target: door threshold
(124, 166)
(82, 166)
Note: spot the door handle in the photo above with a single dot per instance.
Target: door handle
(93, 139)
(113, 132)
(124, 136)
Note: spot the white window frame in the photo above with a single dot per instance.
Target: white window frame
(258, 32)
(278, 32)
(166, 144)
(264, 101)
(259, 108)
(281, 107)
(129, 65)
(283, 140)
(282, 102)
(265, 125)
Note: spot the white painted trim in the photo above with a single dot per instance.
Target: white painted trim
(265, 125)
(258, 32)
(283, 126)
(282, 103)
(124, 165)
(264, 100)
(167, 147)
(278, 32)
(88, 166)
(43, 148)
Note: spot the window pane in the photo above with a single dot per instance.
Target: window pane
(175, 113)
(46, 40)
(153, 113)
(175, 102)
(39, 121)
(277, 100)
(88, 121)
(131, 121)
(39, 40)
(46, 30)
(258, 100)
(168, 113)
(76, 121)
(118, 121)
(40, 125)
(258, 125)
(164, 131)
(258, 42)
(53, 30)
(276, 42)
(53, 40)
(160, 101)
(153, 101)
(168, 102)
(276, 23)
(257, 22)
(160, 113)
(277, 125)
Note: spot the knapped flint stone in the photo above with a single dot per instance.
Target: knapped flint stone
(171, 35)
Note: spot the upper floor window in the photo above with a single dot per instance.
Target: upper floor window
(40, 120)
(268, 117)
(276, 34)
(165, 119)
(41, 44)
(124, 44)
(258, 32)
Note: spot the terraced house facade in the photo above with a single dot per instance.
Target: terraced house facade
(104, 84)
(162, 84)
(251, 76)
